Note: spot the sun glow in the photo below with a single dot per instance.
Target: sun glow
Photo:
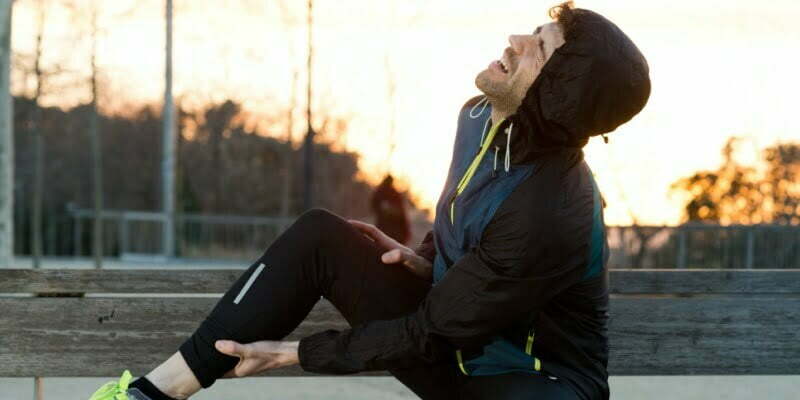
(719, 68)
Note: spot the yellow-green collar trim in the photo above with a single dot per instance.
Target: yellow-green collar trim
(462, 184)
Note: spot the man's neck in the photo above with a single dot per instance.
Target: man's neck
(500, 111)
(498, 115)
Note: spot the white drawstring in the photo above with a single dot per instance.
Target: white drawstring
(508, 146)
(485, 101)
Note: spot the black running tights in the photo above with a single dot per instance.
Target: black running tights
(322, 255)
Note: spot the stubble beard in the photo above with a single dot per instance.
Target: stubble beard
(490, 88)
(497, 92)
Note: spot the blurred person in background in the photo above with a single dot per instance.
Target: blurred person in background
(390, 211)
(507, 296)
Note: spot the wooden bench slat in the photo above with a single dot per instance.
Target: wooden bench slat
(117, 280)
(689, 281)
(64, 336)
(649, 336)
(704, 336)
(218, 281)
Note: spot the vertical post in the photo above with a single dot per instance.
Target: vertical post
(6, 141)
(623, 248)
(751, 245)
(308, 144)
(180, 229)
(168, 160)
(77, 233)
(681, 262)
(97, 154)
(38, 388)
(123, 233)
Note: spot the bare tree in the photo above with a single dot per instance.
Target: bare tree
(97, 160)
(83, 12)
(391, 87)
(38, 142)
(391, 94)
(6, 140)
(41, 75)
(288, 159)
(90, 11)
(308, 143)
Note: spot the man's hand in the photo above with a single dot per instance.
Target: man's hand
(258, 356)
(396, 252)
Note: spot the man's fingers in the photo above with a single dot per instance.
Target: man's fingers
(230, 374)
(359, 224)
(245, 368)
(367, 229)
(419, 266)
(414, 261)
(257, 356)
(392, 256)
(231, 348)
(363, 226)
(381, 238)
(416, 264)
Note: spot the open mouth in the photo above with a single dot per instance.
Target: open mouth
(501, 66)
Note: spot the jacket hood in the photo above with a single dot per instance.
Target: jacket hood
(596, 81)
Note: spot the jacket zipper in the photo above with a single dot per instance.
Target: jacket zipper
(529, 343)
(461, 362)
(462, 184)
(473, 166)
(537, 364)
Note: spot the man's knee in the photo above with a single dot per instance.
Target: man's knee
(319, 224)
(318, 217)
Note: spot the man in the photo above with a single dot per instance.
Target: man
(506, 298)
(389, 208)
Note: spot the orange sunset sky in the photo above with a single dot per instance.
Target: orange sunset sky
(718, 68)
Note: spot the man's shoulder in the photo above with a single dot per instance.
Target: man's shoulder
(472, 102)
(558, 189)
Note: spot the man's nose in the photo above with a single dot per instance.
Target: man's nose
(514, 40)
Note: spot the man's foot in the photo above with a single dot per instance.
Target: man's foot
(119, 390)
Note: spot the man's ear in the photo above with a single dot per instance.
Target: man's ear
(556, 41)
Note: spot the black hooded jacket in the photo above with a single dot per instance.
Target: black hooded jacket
(521, 249)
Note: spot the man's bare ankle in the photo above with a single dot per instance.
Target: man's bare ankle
(174, 378)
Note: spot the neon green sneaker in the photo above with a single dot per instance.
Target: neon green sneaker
(114, 390)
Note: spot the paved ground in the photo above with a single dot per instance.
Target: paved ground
(383, 388)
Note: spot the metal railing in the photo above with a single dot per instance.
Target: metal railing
(705, 246)
(134, 235)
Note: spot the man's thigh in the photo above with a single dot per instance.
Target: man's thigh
(361, 286)
(366, 289)
(514, 386)
(430, 382)
(444, 381)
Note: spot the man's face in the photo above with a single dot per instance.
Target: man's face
(507, 80)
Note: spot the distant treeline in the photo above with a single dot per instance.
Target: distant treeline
(746, 194)
(223, 166)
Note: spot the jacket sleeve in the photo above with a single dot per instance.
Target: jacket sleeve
(427, 248)
(529, 252)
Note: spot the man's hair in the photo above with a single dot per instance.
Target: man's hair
(567, 16)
